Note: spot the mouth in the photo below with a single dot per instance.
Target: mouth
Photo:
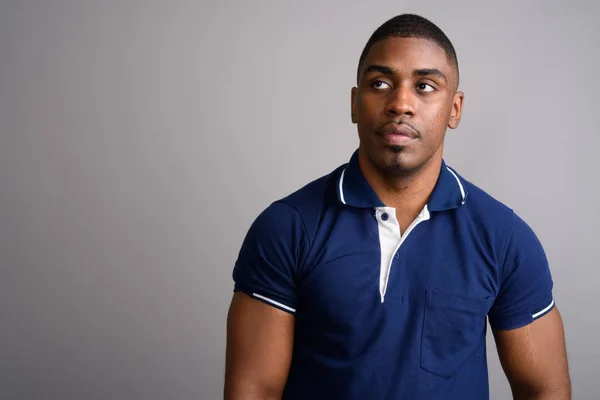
(395, 134)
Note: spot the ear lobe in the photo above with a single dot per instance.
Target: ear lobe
(453, 123)
(454, 120)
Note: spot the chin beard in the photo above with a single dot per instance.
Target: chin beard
(395, 167)
(394, 164)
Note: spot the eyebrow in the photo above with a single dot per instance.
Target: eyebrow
(378, 68)
(418, 72)
(431, 72)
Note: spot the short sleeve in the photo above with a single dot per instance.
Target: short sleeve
(525, 292)
(270, 255)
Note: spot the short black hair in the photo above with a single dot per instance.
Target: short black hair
(413, 26)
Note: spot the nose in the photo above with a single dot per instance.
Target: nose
(401, 102)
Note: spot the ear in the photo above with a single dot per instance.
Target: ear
(353, 105)
(456, 113)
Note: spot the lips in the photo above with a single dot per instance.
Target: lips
(397, 134)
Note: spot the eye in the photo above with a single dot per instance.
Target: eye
(425, 87)
(380, 85)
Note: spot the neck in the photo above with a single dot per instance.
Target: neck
(407, 191)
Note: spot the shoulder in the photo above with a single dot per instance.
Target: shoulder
(300, 208)
(485, 206)
(494, 218)
(310, 201)
(315, 193)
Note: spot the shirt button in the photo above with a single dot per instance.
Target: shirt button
(384, 216)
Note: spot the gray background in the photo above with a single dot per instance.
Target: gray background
(139, 139)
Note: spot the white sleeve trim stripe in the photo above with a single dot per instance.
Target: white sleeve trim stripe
(534, 316)
(274, 302)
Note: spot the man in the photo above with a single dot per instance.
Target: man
(376, 280)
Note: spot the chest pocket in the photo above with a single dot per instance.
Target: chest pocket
(453, 328)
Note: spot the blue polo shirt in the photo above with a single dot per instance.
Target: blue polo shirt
(384, 314)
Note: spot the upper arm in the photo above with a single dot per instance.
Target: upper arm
(269, 260)
(525, 292)
(260, 326)
(526, 323)
(534, 358)
(259, 349)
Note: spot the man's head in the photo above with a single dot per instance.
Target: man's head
(406, 95)
(407, 26)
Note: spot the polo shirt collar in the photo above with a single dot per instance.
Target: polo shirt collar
(449, 191)
(354, 190)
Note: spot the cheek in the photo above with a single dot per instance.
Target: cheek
(362, 107)
(369, 104)
(439, 118)
(434, 126)
(367, 115)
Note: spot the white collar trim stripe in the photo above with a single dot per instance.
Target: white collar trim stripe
(462, 189)
(460, 186)
(342, 187)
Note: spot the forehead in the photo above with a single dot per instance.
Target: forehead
(401, 53)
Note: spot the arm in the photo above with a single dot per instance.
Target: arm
(527, 326)
(261, 318)
(259, 349)
(534, 359)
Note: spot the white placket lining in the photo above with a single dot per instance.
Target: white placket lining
(390, 240)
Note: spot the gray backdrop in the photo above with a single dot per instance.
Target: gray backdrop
(139, 139)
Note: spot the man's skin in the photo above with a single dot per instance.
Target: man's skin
(405, 83)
